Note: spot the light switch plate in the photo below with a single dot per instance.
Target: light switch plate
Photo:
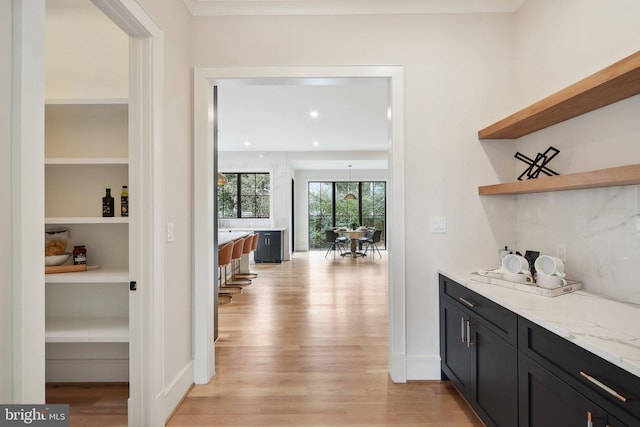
(438, 224)
(170, 232)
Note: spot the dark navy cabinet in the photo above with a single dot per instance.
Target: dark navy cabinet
(478, 352)
(270, 247)
(514, 372)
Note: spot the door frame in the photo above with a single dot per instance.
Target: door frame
(146, 405)
(204, 216)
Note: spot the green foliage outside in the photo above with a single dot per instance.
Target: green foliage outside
(252, 198)
(372, 201)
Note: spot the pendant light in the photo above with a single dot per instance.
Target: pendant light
(350, 195)
(222, 180)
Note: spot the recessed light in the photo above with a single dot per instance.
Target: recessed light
(316, 143)
(314, 114)
(247, 143)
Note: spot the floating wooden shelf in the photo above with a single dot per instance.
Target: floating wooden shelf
(612, 84)
(610, 177)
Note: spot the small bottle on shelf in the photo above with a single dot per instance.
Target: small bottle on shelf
(124, 201)
(107, 204)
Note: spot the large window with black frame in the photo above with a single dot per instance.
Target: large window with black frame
(245, 195)
(328, 208)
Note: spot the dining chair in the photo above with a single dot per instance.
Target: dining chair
(373, 243)
(334, 241)
(364, 240)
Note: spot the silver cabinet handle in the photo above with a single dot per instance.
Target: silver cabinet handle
(467, 302)
(462, 328)
(604, 387)
(589, 419)
(469, 343)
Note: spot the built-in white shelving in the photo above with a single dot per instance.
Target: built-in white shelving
(83, 161)
(87, 330)
(103, 275)
(87, 101)
(86, 152)
(86, 220)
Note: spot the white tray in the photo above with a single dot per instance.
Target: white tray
(493, 279)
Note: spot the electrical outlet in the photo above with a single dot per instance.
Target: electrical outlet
(561, 251)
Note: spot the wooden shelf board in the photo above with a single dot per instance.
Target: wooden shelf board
(111, 275)
(612, 84)
(82, 161)
(86, 220)
(86, 329)
(610, 177)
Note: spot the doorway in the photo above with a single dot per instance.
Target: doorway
(204, 221)
(144, 101)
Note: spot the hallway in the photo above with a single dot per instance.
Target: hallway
(306, 344)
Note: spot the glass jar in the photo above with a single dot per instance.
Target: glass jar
(79, 255)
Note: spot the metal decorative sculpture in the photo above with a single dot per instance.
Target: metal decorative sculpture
(539, 165)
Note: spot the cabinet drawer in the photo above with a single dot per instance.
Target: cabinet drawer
(569, 362)
(502, 321)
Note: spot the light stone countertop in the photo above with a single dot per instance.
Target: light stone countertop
(230, 236)
(605, 327)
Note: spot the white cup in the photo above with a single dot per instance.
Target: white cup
(549, 265)
(518, 277)
(549, 281)
(515, 264)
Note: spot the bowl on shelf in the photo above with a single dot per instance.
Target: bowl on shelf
(56, 259)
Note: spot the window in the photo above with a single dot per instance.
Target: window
(245, 195)
(327, 208)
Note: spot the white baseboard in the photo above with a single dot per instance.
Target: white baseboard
(426, 367)
(177, 390)
(398, 368)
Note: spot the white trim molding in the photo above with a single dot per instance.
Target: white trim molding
(205, 78)
(347, 7)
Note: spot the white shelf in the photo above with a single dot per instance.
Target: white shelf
(87, 101)
(103, 275)
(87, 330)
(86, 220)
(83, 161)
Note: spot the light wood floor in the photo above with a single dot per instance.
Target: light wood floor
(304, 345)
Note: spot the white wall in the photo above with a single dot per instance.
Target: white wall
(174, 19)
(557, 44)
(302, 179)
(86, 55)
(6, 364)
(456, 68)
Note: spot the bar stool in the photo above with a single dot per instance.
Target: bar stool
(238, 249)
(252, 248)
(224, 260)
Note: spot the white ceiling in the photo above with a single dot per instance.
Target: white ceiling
(347, 7)
(352, 115)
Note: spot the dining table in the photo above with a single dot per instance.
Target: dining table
(353, 236)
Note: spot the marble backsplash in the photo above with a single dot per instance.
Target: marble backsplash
(600, 229)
